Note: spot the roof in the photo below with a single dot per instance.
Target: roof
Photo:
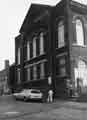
(36, 13)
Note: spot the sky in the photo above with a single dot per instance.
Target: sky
(12, 14)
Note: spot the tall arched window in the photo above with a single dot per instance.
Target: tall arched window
(81, 73)
(61, 41)
(79, 32)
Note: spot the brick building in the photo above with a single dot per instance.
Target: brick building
(4, 76)
(51, 49)
(7, 78)
(11, 81)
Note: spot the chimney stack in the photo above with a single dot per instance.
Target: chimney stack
(6, 64)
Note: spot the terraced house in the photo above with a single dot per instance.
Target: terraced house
(51, 48)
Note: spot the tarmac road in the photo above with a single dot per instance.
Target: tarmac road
(58, 110)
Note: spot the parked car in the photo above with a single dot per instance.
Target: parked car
(29, 94)
(35, 94)
(20, 95)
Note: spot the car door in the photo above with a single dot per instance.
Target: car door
(21, 95)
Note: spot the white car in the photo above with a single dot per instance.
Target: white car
(35, 94)
(28, 94)
(20, 95)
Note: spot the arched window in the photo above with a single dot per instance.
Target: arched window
(79, 32)
(81, 73)
(61, 41)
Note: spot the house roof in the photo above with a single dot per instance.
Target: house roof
(35, 14)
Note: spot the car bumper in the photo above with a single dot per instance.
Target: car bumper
(34, 97)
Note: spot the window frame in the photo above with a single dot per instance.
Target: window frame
(60, 44)
(18, 75)
(28, 50)
(61, 66)
(74, 31)
(19, 55)
(25, 51)
(80, 42)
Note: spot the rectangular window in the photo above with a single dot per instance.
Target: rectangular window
(61, 66)
(25, 52)
(62, 61)
(46, 69)
(41, 43)
(37, 46)
(28, 74)
(28, 50)
(57, 38)
(31, 73)
(25, 74)
(42, 72)
(38, 71)
(18, 55)
(18, 75)
(62, 71)
(85, 33)
(34, 72)
(57, 66)
(31, 49)
(79, 32)
(34, 46)
(45, 42)
(60, 35)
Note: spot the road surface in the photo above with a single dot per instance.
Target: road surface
(58, 110)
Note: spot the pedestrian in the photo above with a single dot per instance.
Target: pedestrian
(50, 96)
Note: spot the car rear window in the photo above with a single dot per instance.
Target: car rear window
(34, 91)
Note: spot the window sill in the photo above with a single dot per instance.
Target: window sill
(60, 47)
(35, 80)
(34, 57)
(79, 45)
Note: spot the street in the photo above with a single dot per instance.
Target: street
(58, 110)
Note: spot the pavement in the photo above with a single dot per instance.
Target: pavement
(58, 110)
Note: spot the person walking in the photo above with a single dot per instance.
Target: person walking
(50, 96)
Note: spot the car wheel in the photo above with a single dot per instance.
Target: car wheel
(25, 99)
(16, 98)
(43, 100)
